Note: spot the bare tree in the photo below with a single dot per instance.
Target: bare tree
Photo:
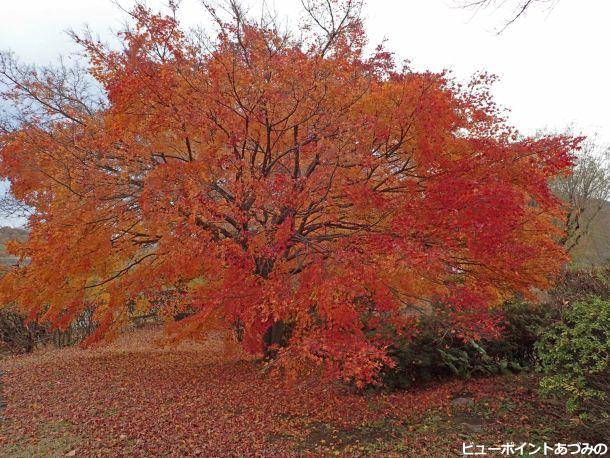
(332, 18)
(11, 207)
(586, 192)
(519, 8)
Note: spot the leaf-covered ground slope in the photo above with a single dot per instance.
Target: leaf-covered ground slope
(134, 398)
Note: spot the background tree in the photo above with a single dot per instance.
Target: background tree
(273, 182)
(586, 192)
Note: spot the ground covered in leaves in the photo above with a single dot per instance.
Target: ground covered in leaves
(134, 398)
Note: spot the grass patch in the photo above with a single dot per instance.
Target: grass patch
(52, 439)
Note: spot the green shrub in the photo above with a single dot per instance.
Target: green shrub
(574, 356)
(521, 323)
(436, 351)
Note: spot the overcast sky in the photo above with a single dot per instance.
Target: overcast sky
(553, 64)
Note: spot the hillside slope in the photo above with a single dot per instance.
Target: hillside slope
(6, 234)
(595, 247)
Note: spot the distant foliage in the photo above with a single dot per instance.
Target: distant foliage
(574, 285)
(574, 357)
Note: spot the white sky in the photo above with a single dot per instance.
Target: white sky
(553, 64)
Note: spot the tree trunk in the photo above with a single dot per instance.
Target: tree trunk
(276, 337)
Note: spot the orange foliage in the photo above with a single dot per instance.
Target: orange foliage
(273, 179)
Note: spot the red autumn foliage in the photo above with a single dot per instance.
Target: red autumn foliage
(273, 178)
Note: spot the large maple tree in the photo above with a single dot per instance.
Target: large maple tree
(265, 180)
